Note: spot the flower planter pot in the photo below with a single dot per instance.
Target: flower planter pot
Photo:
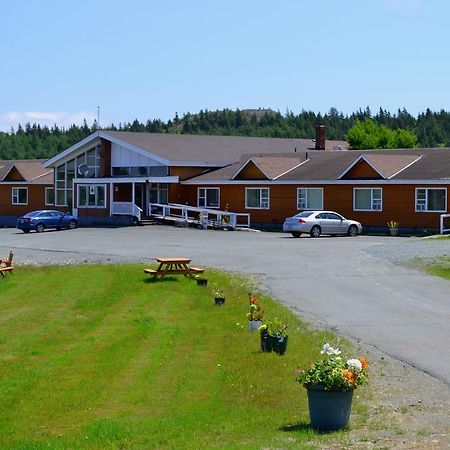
(219, 301)
(279, 344)
(393, 231)
(202, 281)
(328, 410)
(266, 342)
(254, 325)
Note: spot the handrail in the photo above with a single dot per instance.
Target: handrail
(126, 209)
(442, 229)
(204, 216)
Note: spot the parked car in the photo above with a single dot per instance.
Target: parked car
(320, 222)
(40, 220)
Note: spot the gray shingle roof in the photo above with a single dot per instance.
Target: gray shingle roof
(213, 149)
(405, 164)
(30, 169)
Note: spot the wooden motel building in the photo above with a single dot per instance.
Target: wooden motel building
(112, 177)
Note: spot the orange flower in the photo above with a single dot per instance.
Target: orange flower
(349, 376)
(363, 362)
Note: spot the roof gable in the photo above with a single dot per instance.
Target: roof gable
(378, 166)
(361, 169)
(263, 167)
(250, 171)
(13, 175)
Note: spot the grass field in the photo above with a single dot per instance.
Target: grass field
(99, 357)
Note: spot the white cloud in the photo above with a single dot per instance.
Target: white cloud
(61, 119)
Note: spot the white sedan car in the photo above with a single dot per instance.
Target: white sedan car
(320, 222)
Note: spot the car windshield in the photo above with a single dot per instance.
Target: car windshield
(304, 214)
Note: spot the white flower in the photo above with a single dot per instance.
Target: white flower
(354, 364)
(329, 350)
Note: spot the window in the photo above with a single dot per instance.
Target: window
(367, 199)
(20, 196)
(257, 198)
(208, 197)
(309, 198)
(91, 196)
(49, 196)
(428, 199)
(61, 185)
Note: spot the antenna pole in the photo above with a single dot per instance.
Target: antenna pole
(98, 117)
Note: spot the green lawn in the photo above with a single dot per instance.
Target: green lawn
(98, 357)
(439, 267)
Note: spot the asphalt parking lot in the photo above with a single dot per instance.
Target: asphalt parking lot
(361, 287)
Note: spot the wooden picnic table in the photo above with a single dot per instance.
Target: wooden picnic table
(174, 266)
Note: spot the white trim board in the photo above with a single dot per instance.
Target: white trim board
(168, 180)
(314, 182)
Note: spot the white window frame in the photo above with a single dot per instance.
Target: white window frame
(307, 207)
(63, 189)
(88, 186)
(205, 196)
(260, 198)
(371, 189)
(426, 189)
(15, 195)
(45, 196)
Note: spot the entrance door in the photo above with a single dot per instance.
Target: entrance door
(139, 196)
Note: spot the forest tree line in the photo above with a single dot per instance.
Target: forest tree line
(431, 129)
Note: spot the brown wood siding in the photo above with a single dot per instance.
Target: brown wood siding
(105, 158)
(14, 175)
(362, 171)
(251, 172)
(398, 203)
(186, 172)
(93, 212)
(36, 199)
(122, 192)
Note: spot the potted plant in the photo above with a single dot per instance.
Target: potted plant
(393, 227)
(278, 335)
(266, 341)
(201, 281)
(330, 383)
(256, 314)
(219, 298)
(274, 337)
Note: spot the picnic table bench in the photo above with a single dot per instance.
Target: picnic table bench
(6, 264)
(174, 266)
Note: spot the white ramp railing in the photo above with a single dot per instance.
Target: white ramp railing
(443, 229)
(126, 209)
(202, 216)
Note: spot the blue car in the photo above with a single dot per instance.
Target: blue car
(40, 220)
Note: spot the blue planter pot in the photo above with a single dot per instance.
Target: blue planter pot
(328, 410)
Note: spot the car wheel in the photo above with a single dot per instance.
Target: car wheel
(352, 230)
(40, 227)
(296, 234)
(26, 231)
(72, 225)
(315, 231)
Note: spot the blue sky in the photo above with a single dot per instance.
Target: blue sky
(149, 59)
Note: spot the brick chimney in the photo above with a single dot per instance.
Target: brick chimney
(320, 137)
